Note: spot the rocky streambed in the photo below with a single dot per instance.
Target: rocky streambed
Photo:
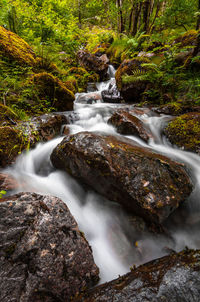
(134, 196)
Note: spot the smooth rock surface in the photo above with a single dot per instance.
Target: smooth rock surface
(145, 183)
(129, 124)
(174, 278)
(43, 255)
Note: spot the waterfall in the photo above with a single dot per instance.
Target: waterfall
(106, 226)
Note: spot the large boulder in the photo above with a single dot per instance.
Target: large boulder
(145, 183)
(129, 124)
(130, 79)
(43, 255)
(184, 131)
(92, 63)
(172, 278)
(15, 48)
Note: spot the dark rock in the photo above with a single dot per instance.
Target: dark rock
(176, 108)
(172, 278)
(48, 126)
(43, 255)
(129, 124)
(147, 184)
(129, 79)
(112, 94)
(184, 131)
(92, 63)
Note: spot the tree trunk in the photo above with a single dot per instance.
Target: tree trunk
(120, 16)
(146, 15)
(135, 18)
(197, 47)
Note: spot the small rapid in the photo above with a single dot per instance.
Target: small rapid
(116, 243)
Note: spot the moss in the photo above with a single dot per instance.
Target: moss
(187, 39)
(184, 131)
(15, 48)
(12, 142)
(51, 88)
(6, 115)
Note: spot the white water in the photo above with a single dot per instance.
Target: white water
(105, 225)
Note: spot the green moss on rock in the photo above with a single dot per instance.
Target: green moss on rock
(51, 88)
(15, 48)
(184, 131)
(12, 142)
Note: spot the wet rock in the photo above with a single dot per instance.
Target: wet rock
(172, 278)
(112, 94)
(145, 183)
(43, 255)
(129, 79)
(92, 63)
(15, 48)
(176, 108)
(52, 89)
(48, 126)
(184, 131)
(129, 124)
(7, 182)
(89, 98)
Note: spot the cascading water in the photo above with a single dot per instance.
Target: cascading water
(106, 226)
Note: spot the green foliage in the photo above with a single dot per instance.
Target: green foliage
(2, 193)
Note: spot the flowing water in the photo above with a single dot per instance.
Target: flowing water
(115, 239)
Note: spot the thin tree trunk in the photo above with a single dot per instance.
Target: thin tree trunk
(197, 47)
(136, 18)
(158, 7)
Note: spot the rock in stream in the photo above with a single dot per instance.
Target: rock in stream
(43, 255)
(174, 278)
(145, 183)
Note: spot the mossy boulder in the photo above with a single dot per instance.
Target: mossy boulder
(130, 79)
(52, 89)
(12, 142)
(145, 183)
(184, 131)
(173, 278)
(187, 39)
(15, 48)
(82, 77)
(7, 116)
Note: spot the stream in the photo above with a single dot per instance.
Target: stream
(116, 243)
